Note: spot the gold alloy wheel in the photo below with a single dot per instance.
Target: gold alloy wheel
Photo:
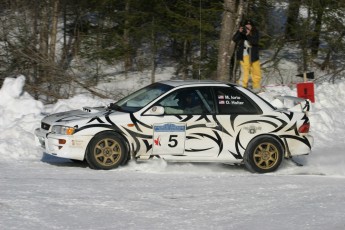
(266, 155)
(107, 152)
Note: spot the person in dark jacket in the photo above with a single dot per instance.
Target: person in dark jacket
(247, 40)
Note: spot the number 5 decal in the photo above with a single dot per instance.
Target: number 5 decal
(173, 140)
(168, 138)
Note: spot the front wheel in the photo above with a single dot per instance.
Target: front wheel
(264, 154)
(106, 151)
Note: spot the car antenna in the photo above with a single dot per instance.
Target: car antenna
(200, 40)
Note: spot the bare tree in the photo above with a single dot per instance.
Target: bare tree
(53, 31)
(227, 27)
(126, 38)
(233, 11)
(240, 13)
(153, 51)
(43, 39)
(292, 16)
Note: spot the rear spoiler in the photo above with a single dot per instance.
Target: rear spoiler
(294, 104)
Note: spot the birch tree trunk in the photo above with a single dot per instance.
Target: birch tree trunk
(53, 31)
(126, 38)
(153, 50)
(43, 42)
(227, 28)
(240, 13)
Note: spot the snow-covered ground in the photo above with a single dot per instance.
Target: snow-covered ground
(42, 192)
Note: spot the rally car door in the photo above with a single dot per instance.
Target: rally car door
(187, 127)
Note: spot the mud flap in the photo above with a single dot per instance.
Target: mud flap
(295, 162)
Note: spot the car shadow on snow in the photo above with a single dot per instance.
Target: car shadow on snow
(162, 166)
(153, 165)
(57, 161)
(287, 167)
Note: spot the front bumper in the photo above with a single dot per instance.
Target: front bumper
(64, 146)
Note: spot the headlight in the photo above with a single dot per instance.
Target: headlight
(63, 130)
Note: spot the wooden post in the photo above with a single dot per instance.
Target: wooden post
(305, 77)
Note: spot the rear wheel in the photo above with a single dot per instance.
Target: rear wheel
(106, 151)
(264, 154)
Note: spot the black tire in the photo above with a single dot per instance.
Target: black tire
(106, 151)
(264, 154)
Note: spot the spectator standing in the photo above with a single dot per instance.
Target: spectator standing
(247, 40)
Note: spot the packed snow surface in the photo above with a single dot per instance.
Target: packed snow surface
(43, 192)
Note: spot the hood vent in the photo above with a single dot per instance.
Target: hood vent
(93, 109)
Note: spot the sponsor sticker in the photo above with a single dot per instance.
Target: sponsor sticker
(253, 129)
(170, 128)
(229, 100)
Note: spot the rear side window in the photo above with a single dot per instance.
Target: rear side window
(232, 101)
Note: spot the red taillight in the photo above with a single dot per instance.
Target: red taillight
(304, 128)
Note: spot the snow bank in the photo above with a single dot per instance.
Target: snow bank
(327, 127)
(20, 114)
(76, 102)
(17, 106)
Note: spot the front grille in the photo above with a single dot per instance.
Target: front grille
(45, 126)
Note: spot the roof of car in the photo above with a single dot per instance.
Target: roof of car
(177, 83)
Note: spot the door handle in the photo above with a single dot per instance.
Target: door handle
(211, 125)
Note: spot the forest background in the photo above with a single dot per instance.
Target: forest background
(62, 45)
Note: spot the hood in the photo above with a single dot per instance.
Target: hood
(75, 116)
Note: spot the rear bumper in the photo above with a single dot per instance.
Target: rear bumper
(64, 146)
(300, 145)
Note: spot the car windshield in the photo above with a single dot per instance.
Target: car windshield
(137, 100)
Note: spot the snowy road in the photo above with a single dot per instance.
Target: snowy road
(58, 194)
(51, 193)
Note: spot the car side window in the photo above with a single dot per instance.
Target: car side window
(232, 101)
(188, 101)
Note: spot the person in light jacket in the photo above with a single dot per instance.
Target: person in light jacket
(247, 40)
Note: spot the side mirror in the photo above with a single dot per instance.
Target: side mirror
(155, 110)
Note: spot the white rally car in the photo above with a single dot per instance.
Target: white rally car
(189, 121)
